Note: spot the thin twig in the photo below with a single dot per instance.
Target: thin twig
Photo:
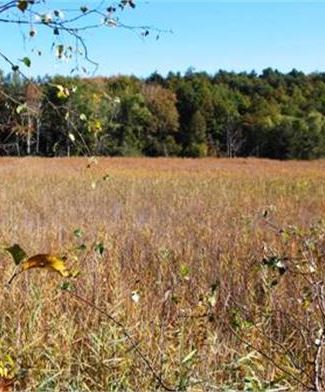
(318, 364)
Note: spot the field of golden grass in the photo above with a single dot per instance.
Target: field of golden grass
(214, 268)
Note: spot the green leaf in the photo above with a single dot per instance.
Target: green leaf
(22, 5)
(184, 271)
(189, 357)
(59, 51)
(17, 253)
(32, 33)
(81, 247)
(237, 321)
(67, 286)
(99, 248)
(21, 108)
(45, 19)
(276, 263)
(83, 9)
(83, 117)
(15, 68)
(26, 61)
(212, 300)
(78, 233)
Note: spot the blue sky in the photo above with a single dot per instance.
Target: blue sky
(207, 35)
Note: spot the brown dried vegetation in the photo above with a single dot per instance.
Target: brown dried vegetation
(215, 267)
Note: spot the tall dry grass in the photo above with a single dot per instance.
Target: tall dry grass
(195, 240)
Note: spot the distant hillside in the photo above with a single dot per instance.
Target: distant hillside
(272, 115)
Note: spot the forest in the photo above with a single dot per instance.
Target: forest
(271, 115)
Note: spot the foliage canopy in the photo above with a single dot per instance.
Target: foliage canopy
(271, 115)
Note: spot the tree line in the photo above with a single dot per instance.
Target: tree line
(271, 114)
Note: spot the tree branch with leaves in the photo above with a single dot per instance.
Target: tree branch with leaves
(67, 27)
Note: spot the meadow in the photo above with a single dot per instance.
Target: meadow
(214, 268)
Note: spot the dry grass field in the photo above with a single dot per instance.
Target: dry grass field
(213, 267)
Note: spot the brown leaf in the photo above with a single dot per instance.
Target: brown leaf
(6, 384)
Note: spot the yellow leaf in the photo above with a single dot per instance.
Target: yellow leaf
(47, 261)
(62, 92)
(7, 373)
